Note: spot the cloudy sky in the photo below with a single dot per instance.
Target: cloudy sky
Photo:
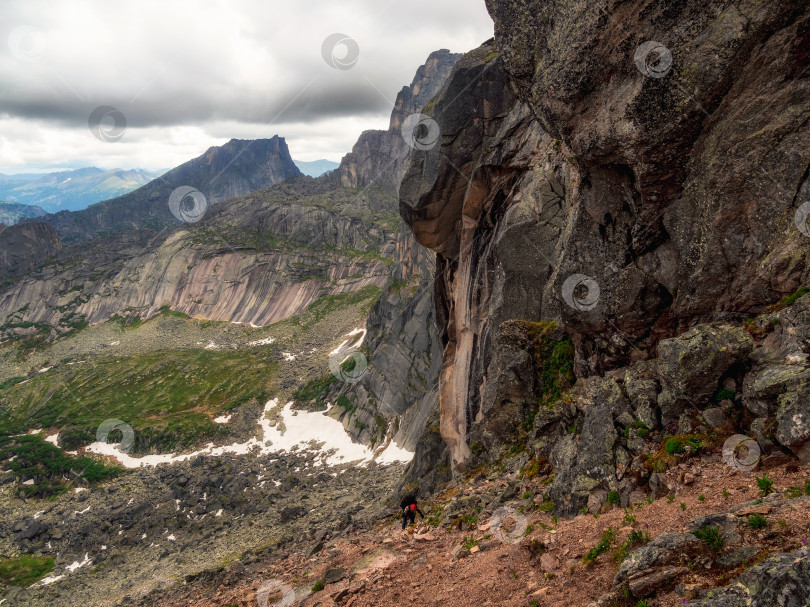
(186, 75)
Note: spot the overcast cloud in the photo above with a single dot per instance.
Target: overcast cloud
(191, 74)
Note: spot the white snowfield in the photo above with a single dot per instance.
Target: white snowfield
(357, 342)
(70, 569)
(302, 428)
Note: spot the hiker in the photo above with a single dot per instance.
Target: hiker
(409, 509)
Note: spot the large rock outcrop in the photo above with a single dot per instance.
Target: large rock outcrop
(221, 173)
(259, 259)
(626, 171)
(24, 246)
(379, 158)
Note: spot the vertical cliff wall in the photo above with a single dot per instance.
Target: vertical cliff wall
(619, 172)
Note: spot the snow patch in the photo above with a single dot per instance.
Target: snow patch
(288, 357)
(262, 342)
(303, 430)
(222, 419)
(77, 565)
(357, 342)
(52, 438)
(44, 369)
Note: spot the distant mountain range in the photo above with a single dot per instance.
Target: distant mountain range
(316, 168)
(72, 190)
(12, 212)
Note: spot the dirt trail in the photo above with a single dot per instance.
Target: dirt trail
(384, 566)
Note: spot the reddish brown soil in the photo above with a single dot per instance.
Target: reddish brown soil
(392, 567)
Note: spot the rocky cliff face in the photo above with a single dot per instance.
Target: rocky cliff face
(260, 259)
(396, 397)
(24, 244)
(379, 158)
(607, 178)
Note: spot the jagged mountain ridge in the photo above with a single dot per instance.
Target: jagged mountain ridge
(221, 173)
(259, 259)
(379, 158)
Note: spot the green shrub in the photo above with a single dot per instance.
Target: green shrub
(603, 546)
(315, 390)
(11, 382)
(791, 299)
(613, 497)
(673, 446)
(642, 432)
(30, 457)
(546, 506)
(711, 536)
(765, 484)
(757, 521)
(724, 395)
(318, 586)
(793, 492)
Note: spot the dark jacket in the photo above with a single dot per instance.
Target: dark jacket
(407, 501)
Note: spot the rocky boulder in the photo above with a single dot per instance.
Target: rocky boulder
(761, 388)
(782, 580)
(793, 420)
(691, 365)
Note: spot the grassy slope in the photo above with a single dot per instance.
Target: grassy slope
(171, 395)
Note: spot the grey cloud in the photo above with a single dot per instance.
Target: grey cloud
(174, 64)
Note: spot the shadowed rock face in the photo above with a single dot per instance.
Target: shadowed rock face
(22, 245)
(674, 198)
(222, 173)
(379, 158)
(234, 169)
